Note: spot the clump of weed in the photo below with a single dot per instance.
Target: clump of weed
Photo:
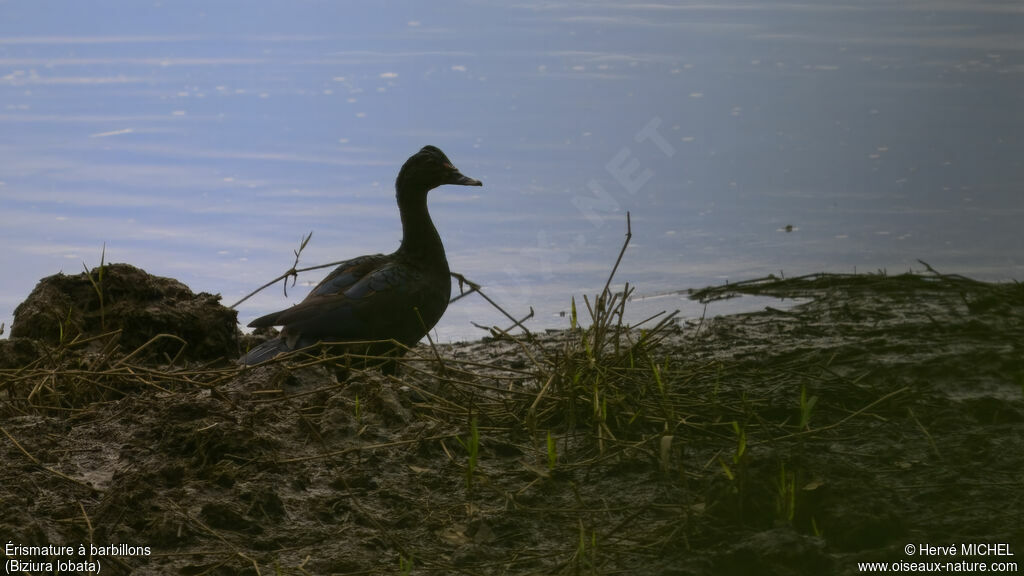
(97, 286)
(472, 446)
(605, 377)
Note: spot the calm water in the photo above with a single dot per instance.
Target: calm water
(201, 140)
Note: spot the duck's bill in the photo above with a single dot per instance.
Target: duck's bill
(458, 179)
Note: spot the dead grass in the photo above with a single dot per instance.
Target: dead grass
(64, 380)
(604, 449)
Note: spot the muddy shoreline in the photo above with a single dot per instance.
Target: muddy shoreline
(882, 412)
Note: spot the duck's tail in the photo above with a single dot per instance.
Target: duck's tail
(264, 351)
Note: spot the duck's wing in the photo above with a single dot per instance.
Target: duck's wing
(343, 303)
(348, 274)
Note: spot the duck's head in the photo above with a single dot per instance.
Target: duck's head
(428, 169)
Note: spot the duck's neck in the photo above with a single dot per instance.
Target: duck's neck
(420, 240)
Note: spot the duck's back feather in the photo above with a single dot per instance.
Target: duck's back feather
(344, 279)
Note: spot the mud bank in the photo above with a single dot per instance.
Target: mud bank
(884, 411)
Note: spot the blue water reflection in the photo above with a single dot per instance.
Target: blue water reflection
(202, 140)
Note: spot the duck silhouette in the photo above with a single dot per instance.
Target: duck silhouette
(378, 297)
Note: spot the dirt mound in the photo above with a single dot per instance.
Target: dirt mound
(120, 297)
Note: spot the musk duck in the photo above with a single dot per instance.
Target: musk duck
(398, 296)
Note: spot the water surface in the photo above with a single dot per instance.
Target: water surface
(202, 140)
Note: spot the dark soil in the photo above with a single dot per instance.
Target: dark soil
(911, 432)
(135, 305)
